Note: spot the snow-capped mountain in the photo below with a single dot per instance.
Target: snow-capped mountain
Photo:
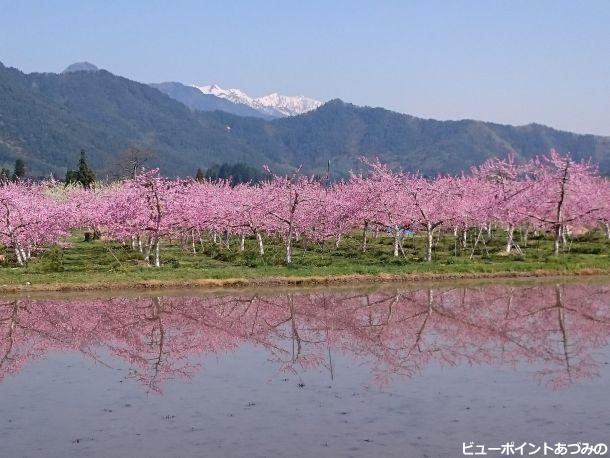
(272, 105)
(289, 105)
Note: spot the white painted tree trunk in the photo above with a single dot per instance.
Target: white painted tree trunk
(289, 249)
(157, 257)
(146, 253)
(364, 236)
(193, 245)
(18, 255)
(259, 244)
(151, 252)
(509, 238)
(557, 241)
(242, 243)
(396, 240)
(429, 231)
(15, 243)
(559, 236)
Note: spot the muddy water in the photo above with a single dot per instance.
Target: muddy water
(395, 371)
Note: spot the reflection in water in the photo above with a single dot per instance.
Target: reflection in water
(556, 328)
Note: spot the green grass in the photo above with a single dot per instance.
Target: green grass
(102, 263)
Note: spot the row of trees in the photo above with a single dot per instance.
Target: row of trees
(18, 172)
(83, 175)
(235, 173)
(551, 193)
(129, 161)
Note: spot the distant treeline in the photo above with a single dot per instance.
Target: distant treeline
(18, 172)
(234, 173)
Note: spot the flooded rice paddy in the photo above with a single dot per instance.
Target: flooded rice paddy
(395, 370)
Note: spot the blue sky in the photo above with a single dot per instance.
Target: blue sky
(506, 61)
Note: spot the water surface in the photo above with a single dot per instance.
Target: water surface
(384, 371)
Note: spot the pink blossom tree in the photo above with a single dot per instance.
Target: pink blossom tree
(566, 193)
(29, 218)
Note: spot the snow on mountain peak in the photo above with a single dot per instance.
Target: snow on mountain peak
(272, 104)
(289, 105)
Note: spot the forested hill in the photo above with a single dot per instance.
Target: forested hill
(342, 132)
(48, 118)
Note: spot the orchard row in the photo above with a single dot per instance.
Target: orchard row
(552, 193)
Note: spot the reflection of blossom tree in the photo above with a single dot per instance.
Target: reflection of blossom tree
(555, 327)
(10, 361)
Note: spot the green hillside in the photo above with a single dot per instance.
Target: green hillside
(48, 118)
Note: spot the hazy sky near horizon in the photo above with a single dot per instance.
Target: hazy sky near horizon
(506, 61)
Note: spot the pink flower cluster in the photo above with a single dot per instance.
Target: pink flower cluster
(551, 193)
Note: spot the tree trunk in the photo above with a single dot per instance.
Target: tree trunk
(364, 236)
(242, 243)
(157, 258)
(18, 255)
(607, 230)
(557, 241)
(148, 250)
(11, 233)
(396, 240)
(259, 244)
(509, 238)
(429, 230)
(559, 215)
(289, 249)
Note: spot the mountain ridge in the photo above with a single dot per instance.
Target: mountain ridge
(197, 100)
(274, 104)
(81, 67)
(46, 118)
